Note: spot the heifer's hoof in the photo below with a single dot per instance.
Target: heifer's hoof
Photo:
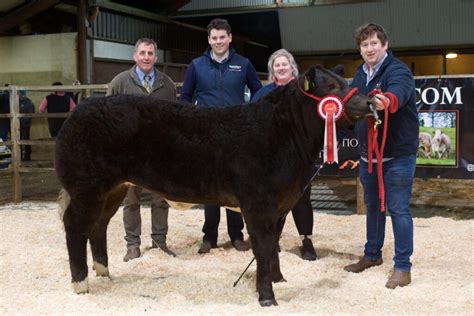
(282, 279)
(80, 287)
(269, 302)
(278, 277)
(100, 269)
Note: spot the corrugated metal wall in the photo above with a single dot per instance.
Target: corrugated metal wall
(410, 23)
(320, 29)
(117, 27)
(125, 29)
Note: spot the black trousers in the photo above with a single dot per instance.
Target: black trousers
(25, 149)
(303, 214)
(54, 125)
(4, 128)
(212, 217)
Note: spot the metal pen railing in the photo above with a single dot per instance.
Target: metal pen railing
(15, 142)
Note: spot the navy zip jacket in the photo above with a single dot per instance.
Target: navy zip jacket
(208, 82)
(403, 125)
(264, 91)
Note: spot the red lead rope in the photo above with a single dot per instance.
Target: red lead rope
(373, 147)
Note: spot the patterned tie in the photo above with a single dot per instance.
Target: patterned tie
(147, 83)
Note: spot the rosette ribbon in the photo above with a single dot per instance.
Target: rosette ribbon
(330, 109)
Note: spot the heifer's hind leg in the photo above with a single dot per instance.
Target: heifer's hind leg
(78, 219)
(263, 233)
(98, 236)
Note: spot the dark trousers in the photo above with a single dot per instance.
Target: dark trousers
(398, 176)
(25, 149)
(54, 125)
(303, 214)
(212, 217)
(132, 220)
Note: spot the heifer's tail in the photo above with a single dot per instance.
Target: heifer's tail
(63, 200)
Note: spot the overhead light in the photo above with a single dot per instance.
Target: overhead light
(451, 55)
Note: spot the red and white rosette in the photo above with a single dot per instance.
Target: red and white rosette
(330, 109)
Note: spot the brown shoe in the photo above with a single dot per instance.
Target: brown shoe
(163, 247)
(363, 264)
(398, 279)
(132, 253)
(206, 247)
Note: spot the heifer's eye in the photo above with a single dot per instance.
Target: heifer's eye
(332, 86)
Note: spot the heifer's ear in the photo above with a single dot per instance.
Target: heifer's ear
(339, 69)
(310, 78)
(308, 84)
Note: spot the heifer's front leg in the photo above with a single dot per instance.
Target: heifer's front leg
(98, 237)
(263, 234)
(275, 271)
(275, 261)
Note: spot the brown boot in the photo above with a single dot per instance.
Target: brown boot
(162, 245)
(398, 279)
(363, 264)
(240, 245)
(132, 253)
(206, 247)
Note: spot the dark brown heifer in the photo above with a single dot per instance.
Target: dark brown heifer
(256, 156)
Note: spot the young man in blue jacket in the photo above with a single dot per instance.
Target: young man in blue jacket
(218, 79)
(392, 85)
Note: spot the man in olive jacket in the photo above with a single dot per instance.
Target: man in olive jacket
(144, 78)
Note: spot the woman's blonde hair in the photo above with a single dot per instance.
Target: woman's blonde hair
(280, 53)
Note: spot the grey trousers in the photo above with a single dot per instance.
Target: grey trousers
(132, 220)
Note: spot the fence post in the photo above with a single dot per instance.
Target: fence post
(16, 150)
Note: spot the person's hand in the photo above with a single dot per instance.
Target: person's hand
(379, 100)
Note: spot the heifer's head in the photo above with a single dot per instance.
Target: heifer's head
(321, 83)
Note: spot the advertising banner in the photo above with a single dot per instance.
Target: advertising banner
(446, 114)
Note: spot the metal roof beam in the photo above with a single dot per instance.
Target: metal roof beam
(16, 18)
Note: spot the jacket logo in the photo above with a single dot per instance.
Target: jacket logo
(235, 68)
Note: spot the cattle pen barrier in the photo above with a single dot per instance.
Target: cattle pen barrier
(15, 142)
(437, 192)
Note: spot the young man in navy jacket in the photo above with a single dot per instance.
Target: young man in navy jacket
(393, 86)
(218, 79)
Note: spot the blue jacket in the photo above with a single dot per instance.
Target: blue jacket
(263, 91)
(403, 125)
(208, 82)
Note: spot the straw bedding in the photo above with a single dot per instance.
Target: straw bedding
(35, 278)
